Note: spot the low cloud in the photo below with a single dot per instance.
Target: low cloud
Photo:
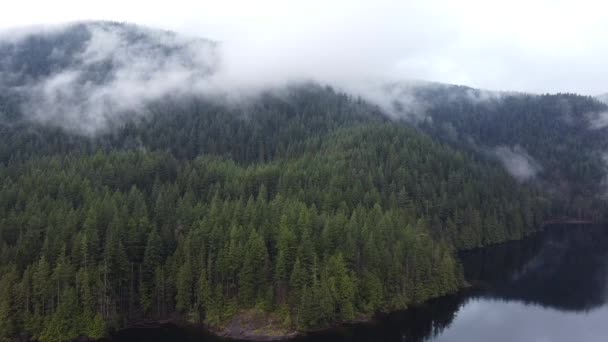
(120, 68)
(117, 70)
(517, 162)
(598, 120)
(103, 72)
(396, 99)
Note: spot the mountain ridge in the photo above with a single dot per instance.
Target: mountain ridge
(129, 193)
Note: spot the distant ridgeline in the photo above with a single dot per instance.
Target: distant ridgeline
(562, 138)
(307, 204)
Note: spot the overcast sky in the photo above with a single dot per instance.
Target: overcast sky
(536, 46)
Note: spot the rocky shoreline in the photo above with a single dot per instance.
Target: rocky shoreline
(248, 325)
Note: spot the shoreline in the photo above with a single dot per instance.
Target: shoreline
(238, 328)
(243, 325)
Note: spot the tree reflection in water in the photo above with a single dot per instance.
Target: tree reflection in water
(520, 290)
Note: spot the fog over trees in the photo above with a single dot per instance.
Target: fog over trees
(139, 181)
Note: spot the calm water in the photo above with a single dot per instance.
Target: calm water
(550, 287)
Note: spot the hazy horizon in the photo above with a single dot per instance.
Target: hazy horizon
(488, 45)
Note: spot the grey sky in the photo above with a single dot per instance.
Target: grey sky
(537, 46)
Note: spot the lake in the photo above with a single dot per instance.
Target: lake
(552, 286)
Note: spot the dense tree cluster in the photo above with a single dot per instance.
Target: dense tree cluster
(565, 133)
(301, 202)
(363, 220)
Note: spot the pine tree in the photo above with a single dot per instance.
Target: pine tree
(65, 323)
(253, 274)
(8, 312)
(152, 255)
(342, 287)
(297, 282)
(41, 287)
(204, 294)
(96, 327)
(371, 292)
(184, 284)
(307, 312)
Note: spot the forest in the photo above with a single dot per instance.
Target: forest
(306, 203)
(563, 132)
(315, 208)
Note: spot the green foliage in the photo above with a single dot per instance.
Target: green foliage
(342, 287)
(317, 209)
(8, 310)
(559, 131)
(96, 327)
(184, 285)
(64, 323)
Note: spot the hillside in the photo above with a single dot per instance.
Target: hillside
(557, 143)
(125, 197)
(162, 227)
(87, 77)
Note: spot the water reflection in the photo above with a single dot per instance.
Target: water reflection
(565, 268)
(502, 321)
(550, 287)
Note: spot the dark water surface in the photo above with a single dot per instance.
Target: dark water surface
(550, 287)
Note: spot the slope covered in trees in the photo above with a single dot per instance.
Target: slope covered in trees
(305, 203)
(562, 136)
(308, 204)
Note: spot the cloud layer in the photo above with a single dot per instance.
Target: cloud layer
(106, 70)
(87, 77)
(534, 46)
(521, 165)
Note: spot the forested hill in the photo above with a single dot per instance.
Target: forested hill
(98, 48)
(91, 76)
(304, 204)
(558, 142)
(273, 126)
(364, 221)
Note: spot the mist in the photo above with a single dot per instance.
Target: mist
(357, 47)
(516, 160)
(115, 72)
(101, 73)
(598, 120)
(490, 45)
(119, 69)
